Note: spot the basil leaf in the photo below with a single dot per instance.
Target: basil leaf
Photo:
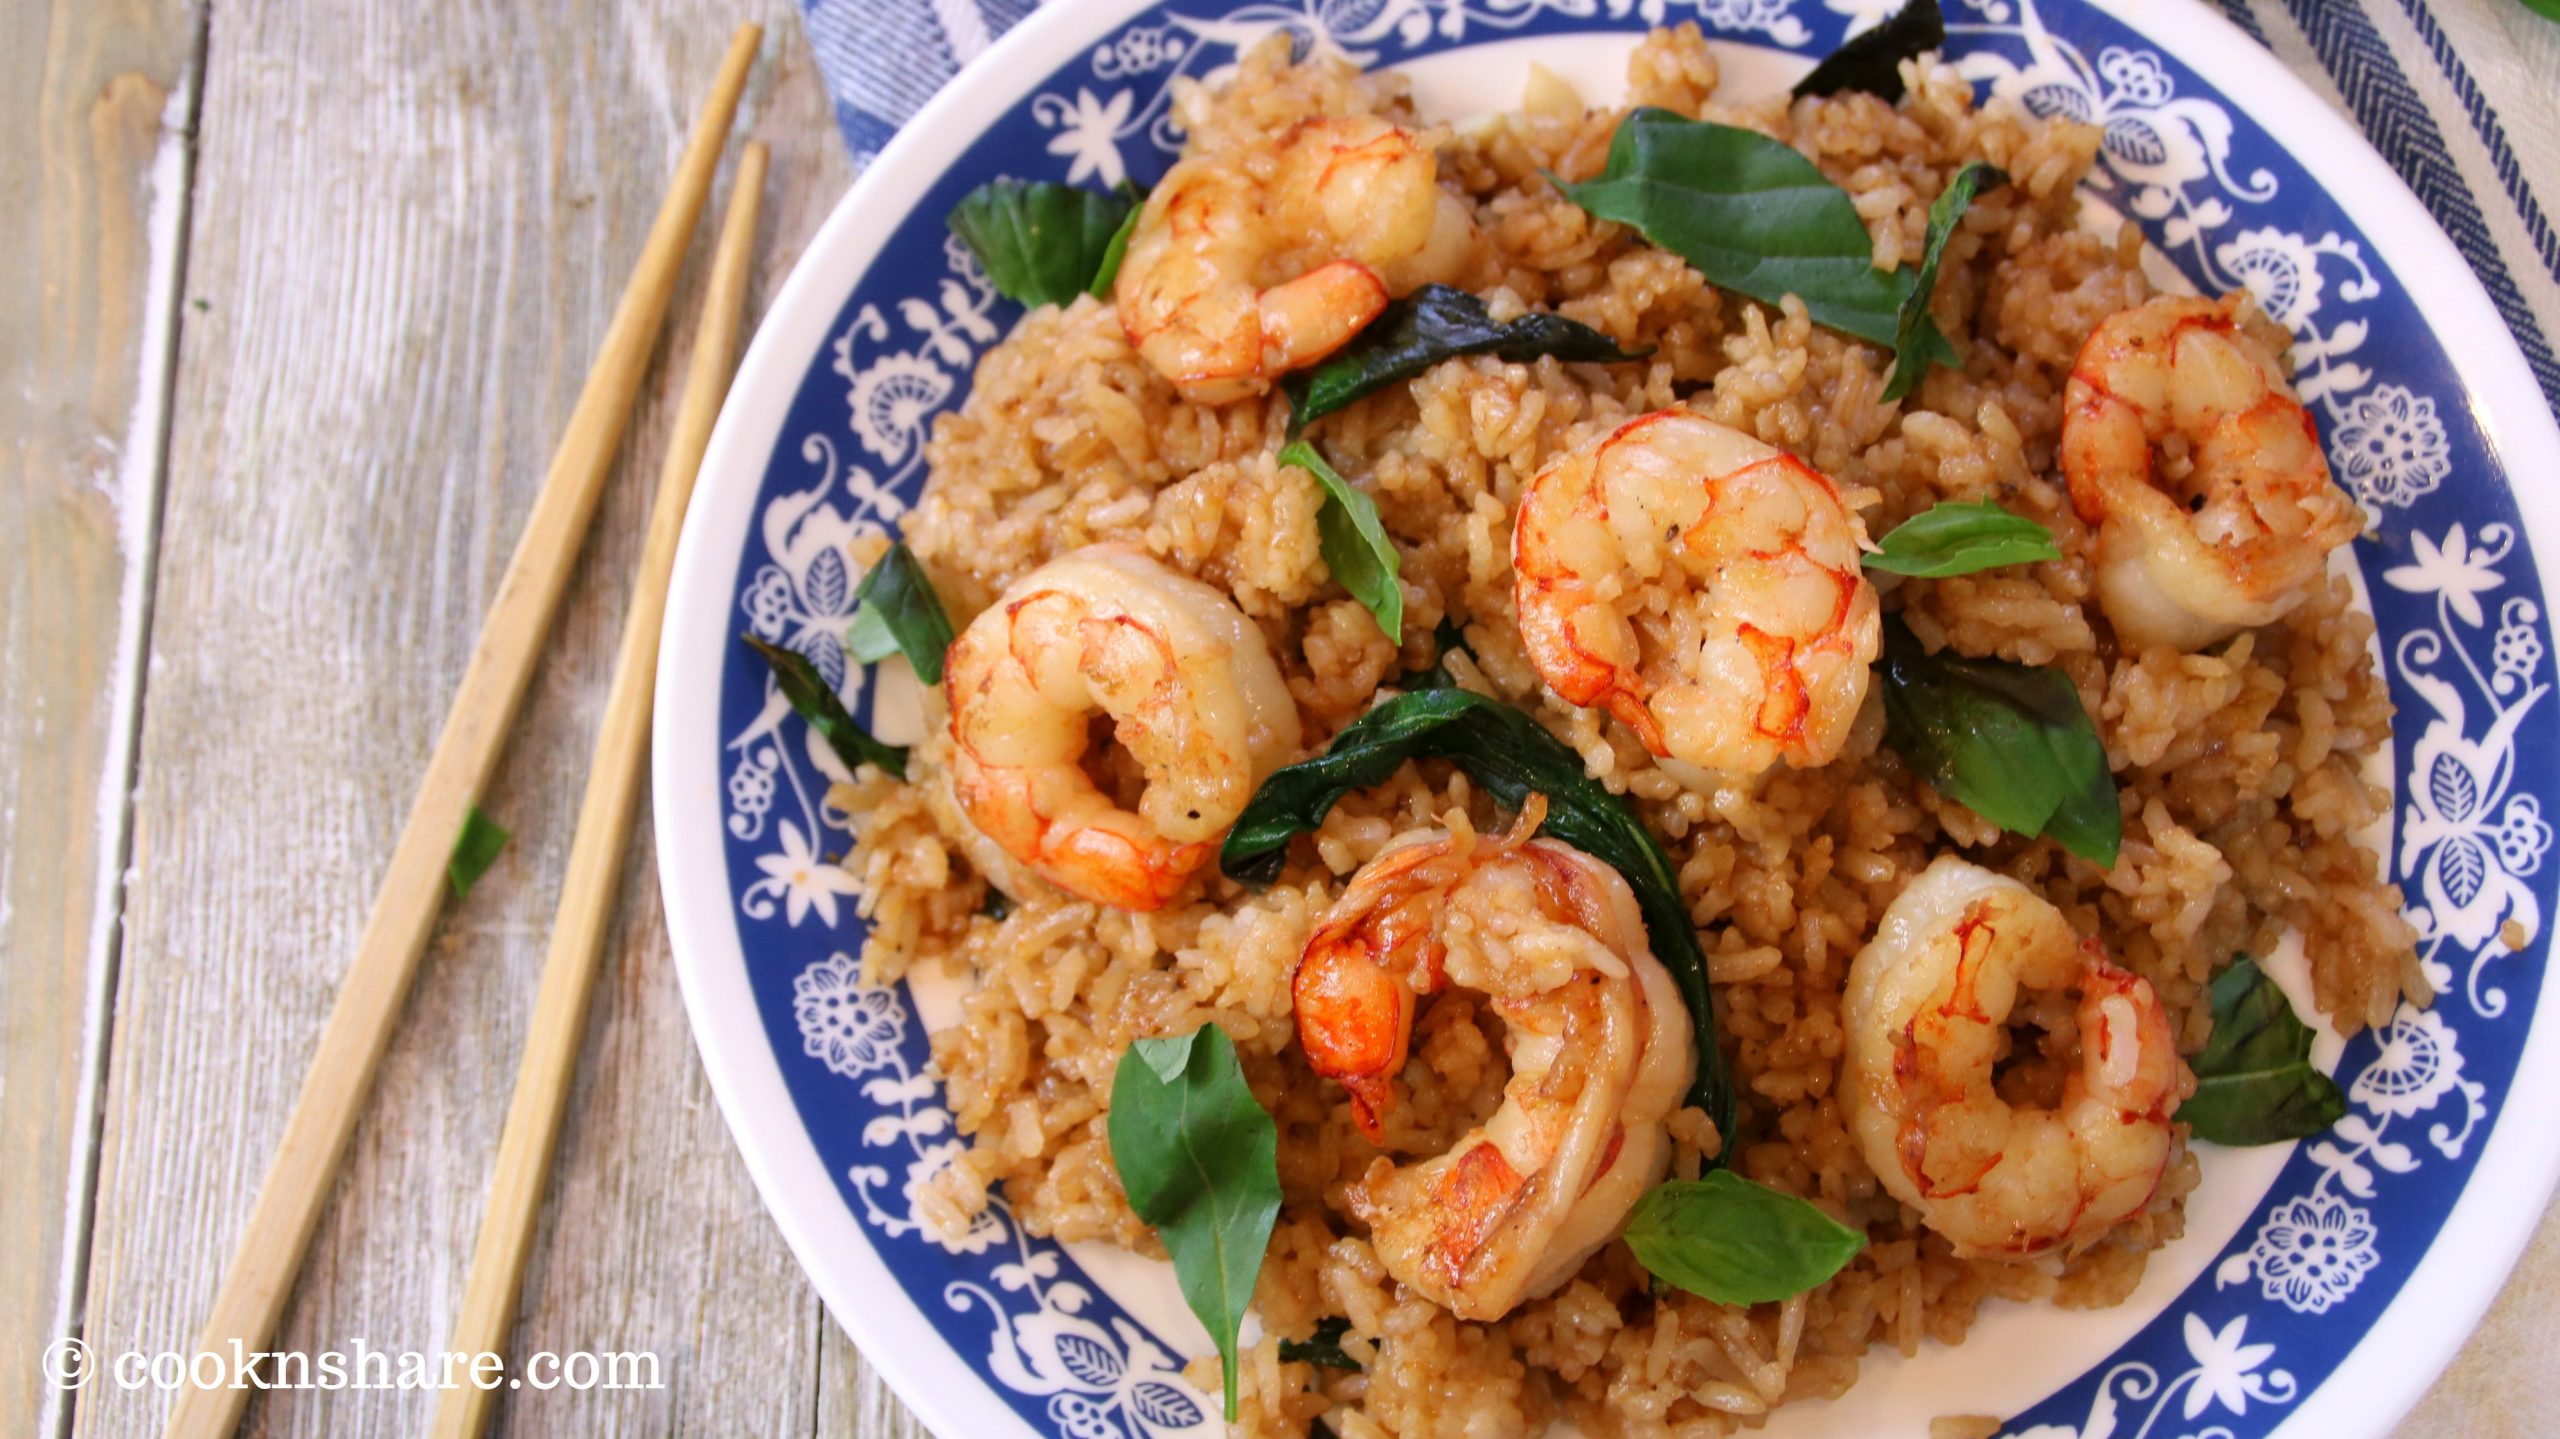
(474, 850)
(1435, 323)
(1200, 1161)
(1354, 544)
(1324, 1348)
(869, 639)
(1917, 341)
(899, 592)
(1872, 60)
(2090, 820)
(2254, 1080)
(2008, 741)
(1040, 243)
(1118, 250)
(1751, 214)
(1958, 537)
(814, 700)
(1509, 754)
(1725, 1238)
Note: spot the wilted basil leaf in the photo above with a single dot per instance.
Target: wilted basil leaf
(1872, 60)
(2254, 1080)
(1354, 544)
(1040, 243)
(898, 592)
(474, 850)
(814, 700)
(1200, 1161)
(1751, 214)
(1918, 343)
(1322, 1349)
(1435, 323)
(1725, 1238)
(1508, 753)
(1959, 537)
(2009, 742)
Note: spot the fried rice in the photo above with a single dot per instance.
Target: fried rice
(2243, 769)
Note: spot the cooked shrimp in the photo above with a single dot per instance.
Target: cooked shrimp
(1924, 1011)
(1188, 682)
(1702, 586)
(2227, 528)
(1247, 264)
(1599, 1041)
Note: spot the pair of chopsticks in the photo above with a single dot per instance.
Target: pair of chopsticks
(405, 907)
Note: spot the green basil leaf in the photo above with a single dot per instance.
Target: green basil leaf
(2090, 820)
(1958, 537)
(869, 639)
(1725, 1238)
(474, 850)
(2254, 1080)
(1118, 250)
(2008, 741)
(1435, 323)
(1323, 1349)
(1917, 341)
(1354, 544)
(1509, 754)
(814, 700)
(1872, 60)
(1751, 214)
(1200, 1161)
(900, 593)
(1040, 243)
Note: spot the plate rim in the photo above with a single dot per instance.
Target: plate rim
(2489, 1223)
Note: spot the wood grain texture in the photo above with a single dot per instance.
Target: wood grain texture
(608, 813)
(410, 898)
(92, 98)
(412, 222)
(852, 1397)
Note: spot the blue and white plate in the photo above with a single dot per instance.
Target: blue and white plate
(2319, 1287)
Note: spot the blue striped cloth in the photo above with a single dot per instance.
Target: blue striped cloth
(2461, 96)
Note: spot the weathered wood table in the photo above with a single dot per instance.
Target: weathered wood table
(294, 299)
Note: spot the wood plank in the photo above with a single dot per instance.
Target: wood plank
(410, 226)
(853, 1398)
(92, 186)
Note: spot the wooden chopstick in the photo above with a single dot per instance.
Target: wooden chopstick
(604, 827)
(369, 999)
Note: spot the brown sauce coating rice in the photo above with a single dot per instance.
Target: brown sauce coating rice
(2241, 768)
